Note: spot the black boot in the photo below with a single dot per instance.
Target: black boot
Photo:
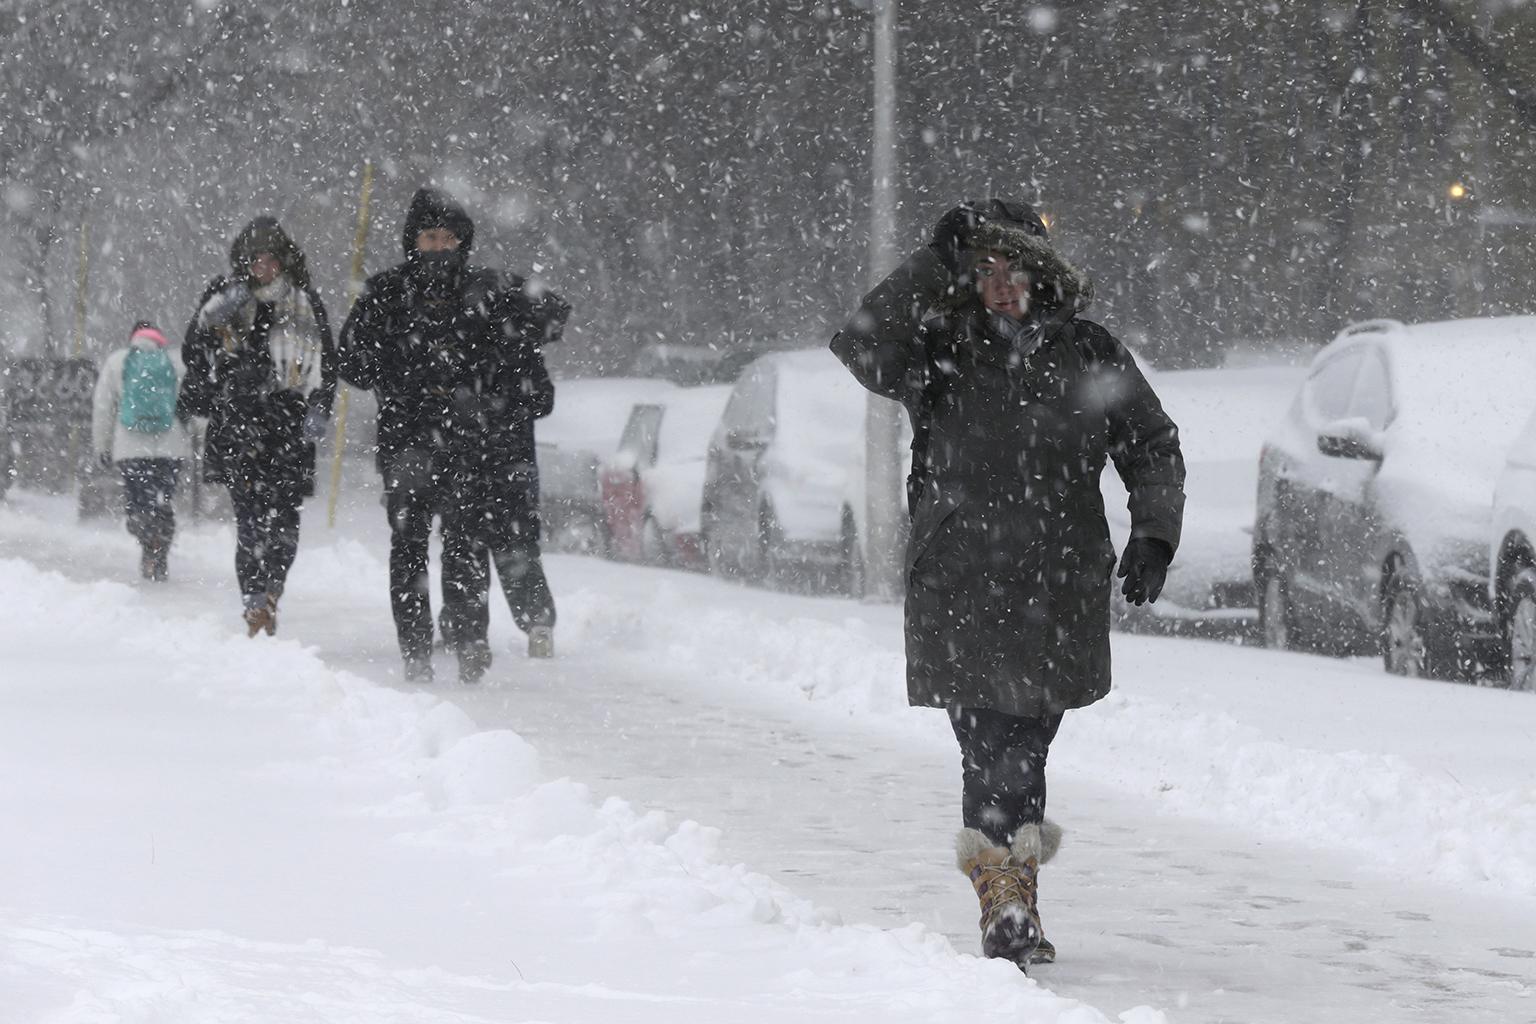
(474, 660)
(418, 668)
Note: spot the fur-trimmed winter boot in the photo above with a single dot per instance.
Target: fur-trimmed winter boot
(1005, 883)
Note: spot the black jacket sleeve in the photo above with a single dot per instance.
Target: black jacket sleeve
(879, 345)
(324, 396)
(360, 353)
(529, 322)
(1143, 440)
(198, 351)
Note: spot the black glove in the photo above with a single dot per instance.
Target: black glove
(952, 238)
(1144, 567)
(223, 306)
(104, 460)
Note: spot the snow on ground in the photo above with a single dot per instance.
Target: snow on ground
(1252, 835)
(203, 828)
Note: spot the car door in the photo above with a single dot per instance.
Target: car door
(1350, 525)
(1309, 476)
(622, 480)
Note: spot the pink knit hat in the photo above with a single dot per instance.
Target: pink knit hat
(149, 333)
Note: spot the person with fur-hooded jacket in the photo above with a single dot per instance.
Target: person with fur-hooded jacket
(1016, 402)
(454, 354)
(261, 367)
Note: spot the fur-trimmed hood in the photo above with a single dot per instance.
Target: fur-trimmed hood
(265, 234)
(1060, 288)
(434, 208)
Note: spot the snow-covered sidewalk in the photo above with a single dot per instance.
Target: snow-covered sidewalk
(200, 828)
(1253, 836)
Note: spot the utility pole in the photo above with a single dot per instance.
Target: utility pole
(882, 424)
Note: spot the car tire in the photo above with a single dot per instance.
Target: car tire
(714, 557)
(579, 534)
(1277, 619)
(1520, 633)
(1405, 648)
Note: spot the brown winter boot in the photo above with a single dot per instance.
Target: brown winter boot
(260, 615)
(255, 617)
(1005, 881)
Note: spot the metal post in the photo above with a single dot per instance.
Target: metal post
(355, 285)
(82, 285)
(883, 518)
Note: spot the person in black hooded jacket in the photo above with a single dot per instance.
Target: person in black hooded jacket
(261, 367)
(454, 355)
(1017, 401)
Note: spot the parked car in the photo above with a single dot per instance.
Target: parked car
(653, 486)
(573, 441)
(784, 472)
(1512, 560)
(691, 365)
(1375, 492)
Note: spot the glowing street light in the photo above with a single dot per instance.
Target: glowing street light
(1457, 190)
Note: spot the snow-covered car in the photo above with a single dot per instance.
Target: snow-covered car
(573, 441)
(784, 467)
(1375, 494)
(653, 486)
(1512, 561)
(1223, 415)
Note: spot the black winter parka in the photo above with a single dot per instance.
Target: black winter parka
(255, 423)
(1009, 560)
(459, 383)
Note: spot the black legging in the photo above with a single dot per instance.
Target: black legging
(148, 486)
(1002, 760)
(266, 534)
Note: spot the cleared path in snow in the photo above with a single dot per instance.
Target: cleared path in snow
(818, 777)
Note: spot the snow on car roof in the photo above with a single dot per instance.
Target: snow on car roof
(689, 422)
(1462, 390)
(819, 408)
(1470, 381)
(590, 413)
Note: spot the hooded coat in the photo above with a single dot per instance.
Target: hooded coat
(1008, 565)
(459, 377)
(258, 369)
(108, 435)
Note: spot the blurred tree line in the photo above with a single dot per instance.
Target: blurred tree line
(1230, 172)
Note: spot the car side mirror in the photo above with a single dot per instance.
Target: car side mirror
(1349, 439)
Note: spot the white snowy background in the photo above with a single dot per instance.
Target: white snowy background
(714, 805)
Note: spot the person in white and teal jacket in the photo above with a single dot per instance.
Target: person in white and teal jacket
(134, 426)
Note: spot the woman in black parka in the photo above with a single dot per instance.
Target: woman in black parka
(1016, 403)
(261, 366)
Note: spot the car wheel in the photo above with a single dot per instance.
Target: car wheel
(653, 547)
(1520, 632)
(1405, 648)
(580, 534)
(852, 564)
(770, 548)
(714, 556)
(1276, 619)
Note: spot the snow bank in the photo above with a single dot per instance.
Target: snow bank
(1422, 777)
(216, 829)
